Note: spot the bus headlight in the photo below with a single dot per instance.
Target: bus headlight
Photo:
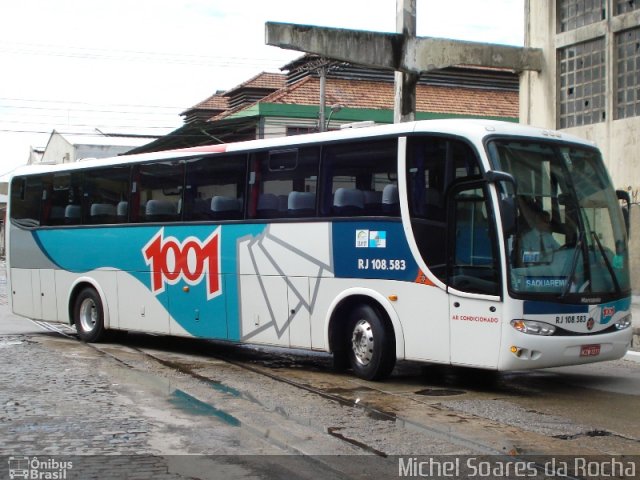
(624, 322)
(532, 327)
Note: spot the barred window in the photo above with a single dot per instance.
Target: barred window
(582, 83)
(628, 73)
(574, 14)
(624, 6)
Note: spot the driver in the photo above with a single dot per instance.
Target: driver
(538, 240)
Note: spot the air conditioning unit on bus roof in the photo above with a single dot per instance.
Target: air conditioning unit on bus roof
(363, 124)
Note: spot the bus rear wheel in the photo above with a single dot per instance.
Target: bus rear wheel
(88, 316)
(371, 345)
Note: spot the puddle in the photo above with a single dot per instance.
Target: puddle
(335, 432)
(222, 388)
(188, 369)
(590, 433)
(193, 406)
(10, 343)
(179, 398)
(439, 392)
(349, 391)
(381, 416)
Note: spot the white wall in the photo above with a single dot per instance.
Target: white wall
(58, 150)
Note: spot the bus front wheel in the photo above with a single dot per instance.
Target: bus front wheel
(371, 344)
(88, 316)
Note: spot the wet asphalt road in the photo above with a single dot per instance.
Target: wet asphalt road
(160, 397)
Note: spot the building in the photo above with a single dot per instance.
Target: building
(35, 155)
(279, 104)
(590, 83)
(64, 148)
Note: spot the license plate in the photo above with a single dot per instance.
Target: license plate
(589, 350)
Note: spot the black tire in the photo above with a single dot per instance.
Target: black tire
(372, 351)
(88, 316)
(340, 361)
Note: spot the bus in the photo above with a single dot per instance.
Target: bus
(398, 242)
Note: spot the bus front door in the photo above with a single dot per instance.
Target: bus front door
(473, 278)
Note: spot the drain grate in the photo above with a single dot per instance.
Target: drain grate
(440, 392)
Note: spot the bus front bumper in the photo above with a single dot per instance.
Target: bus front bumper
(523, 351)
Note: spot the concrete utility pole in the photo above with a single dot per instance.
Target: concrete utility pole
(401, 51)
(323, 97)
(404, 104)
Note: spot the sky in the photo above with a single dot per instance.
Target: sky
(132, 66)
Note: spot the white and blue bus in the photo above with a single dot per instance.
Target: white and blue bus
(463, 242)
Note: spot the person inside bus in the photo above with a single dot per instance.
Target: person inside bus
(537, 242)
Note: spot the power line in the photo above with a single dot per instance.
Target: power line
(76, 102)
(133, 55)
(43, 113)
(41, 119)
(54, 127)
(75, 109)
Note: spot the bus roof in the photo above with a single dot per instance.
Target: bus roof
(474, 129)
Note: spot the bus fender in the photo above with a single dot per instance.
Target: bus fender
(74, 289)
(380, 300)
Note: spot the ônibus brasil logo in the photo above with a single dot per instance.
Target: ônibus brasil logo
(190, 260)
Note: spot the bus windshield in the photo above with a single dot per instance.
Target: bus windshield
(569, 238)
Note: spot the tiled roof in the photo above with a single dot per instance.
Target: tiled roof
(380, 95)
(217, 101)
(273, 81)
(220, 100)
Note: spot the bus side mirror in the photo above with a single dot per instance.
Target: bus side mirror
(495, 176)
(508, 209)
(624, 196)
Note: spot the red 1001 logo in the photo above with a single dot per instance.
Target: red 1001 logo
(190, 261)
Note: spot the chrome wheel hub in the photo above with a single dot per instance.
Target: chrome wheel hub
(362, 342)
(88, 315)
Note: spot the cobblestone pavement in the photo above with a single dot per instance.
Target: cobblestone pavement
(59, 408)
(71, 410)
(62, 405)
(52, 408)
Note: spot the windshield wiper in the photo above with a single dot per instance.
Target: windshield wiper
(574, 264)
(607, 262)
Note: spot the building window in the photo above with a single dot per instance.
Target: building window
(574, 14)
(628, 73)
(300, 130)
(582, 83)
(624, 6)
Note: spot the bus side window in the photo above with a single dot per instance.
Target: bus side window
(360, 179)
(214, 188)
(26, 196)
(62, 199)
(283, 183)
(473, 264)
(433, 164)
(426, 184)
(159, 191)
(106, 195)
